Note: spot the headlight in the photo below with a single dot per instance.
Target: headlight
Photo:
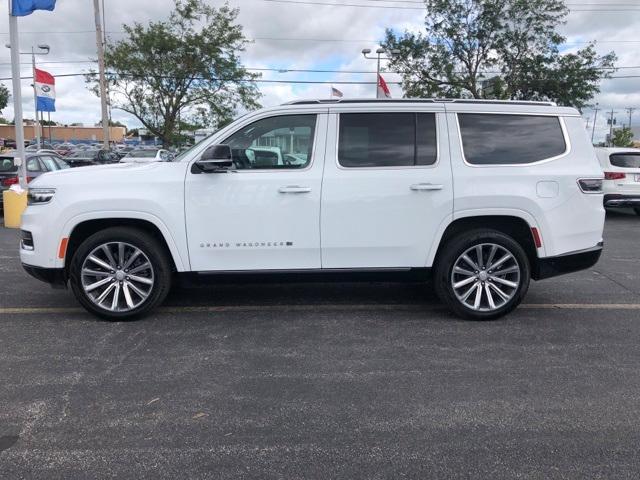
(40, 196)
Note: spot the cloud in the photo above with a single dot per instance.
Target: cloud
(285, 37)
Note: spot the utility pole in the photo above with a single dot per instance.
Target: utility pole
(611, 122)
(595, 116)
(102, 79)
(630, 110)
(36, 124)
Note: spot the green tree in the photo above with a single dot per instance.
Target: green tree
(4, 97)
(505, 49)
(184, 67)
(622, 137)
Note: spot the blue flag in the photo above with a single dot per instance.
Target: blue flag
(20, 8)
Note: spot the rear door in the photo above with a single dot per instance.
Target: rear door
(387, 186)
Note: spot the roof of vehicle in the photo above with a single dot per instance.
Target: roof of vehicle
(418, 100)
(437, 104)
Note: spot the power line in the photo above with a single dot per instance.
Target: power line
(399, 7)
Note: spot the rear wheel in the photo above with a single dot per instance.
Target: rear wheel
(120, 273)
(637, 210)
(482, 274)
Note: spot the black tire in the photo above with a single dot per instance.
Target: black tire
(148, 245)
(450, 253)
(637, 210)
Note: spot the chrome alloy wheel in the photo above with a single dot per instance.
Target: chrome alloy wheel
(117, 276)
(485, 277)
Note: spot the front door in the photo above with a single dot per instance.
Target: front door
(387, 187)
(265, 213)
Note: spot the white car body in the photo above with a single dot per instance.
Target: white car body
(621, 184)
(160, 156)
(326, 217)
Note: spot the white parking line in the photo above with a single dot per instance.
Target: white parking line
(323, 307)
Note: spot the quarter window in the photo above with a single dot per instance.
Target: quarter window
(495, 139)
(387, 139)
(283, 142)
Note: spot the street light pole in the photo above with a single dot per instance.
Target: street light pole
(378, 58)
(36, 124)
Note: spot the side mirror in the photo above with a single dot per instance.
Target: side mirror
(215, 159)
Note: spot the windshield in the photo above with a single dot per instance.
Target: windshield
(625, 160)
(142, 153)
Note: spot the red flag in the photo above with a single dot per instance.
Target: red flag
(383, 89)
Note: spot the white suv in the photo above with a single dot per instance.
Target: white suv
(621, 177)
(482, 195)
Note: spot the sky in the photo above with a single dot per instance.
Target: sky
(289, 35)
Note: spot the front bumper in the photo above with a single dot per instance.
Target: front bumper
(567, 263)
(619, 200)
(53, 276)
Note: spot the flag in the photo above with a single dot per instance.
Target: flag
(21, 8)
(335, 92)
(45, 91)
(383, 89)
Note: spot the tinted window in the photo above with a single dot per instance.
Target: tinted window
(493, 139)
(275, 142)
(625, 160)
(387, 139)
(7, 165)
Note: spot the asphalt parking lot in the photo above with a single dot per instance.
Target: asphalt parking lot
(368, 380)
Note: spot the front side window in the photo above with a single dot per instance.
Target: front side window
(387, 139)
(283, 142)
(49, 163)
(625, 160)
(500, 139)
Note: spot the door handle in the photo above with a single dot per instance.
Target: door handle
(426, 186)
(294, 189)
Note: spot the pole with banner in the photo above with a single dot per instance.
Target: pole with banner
(17, 93)
(21, 8)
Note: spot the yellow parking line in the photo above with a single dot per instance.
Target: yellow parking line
(322, 307)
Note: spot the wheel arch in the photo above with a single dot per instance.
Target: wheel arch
(515, 226)
(80, 230)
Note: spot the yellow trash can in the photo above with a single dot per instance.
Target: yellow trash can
(14, 205)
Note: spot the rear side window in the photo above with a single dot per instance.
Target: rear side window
(495, 139)
(387, 139)
(625, 160)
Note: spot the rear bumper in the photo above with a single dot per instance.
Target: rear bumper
(619, 200)
(53, 276)
(570, 262)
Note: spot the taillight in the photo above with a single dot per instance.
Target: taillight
(590, 185)
(7, 182)
(614, 175)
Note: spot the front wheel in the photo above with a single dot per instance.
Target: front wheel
(120, 273)
(482, 274)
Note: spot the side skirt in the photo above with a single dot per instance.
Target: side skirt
(406, 275)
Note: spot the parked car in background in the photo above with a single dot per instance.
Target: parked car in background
(64, 149)
(147, 155)
(84, 158)
(37, 164)
(621, 177)
(34, 147)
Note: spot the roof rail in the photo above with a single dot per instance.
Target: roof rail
(419, 100)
